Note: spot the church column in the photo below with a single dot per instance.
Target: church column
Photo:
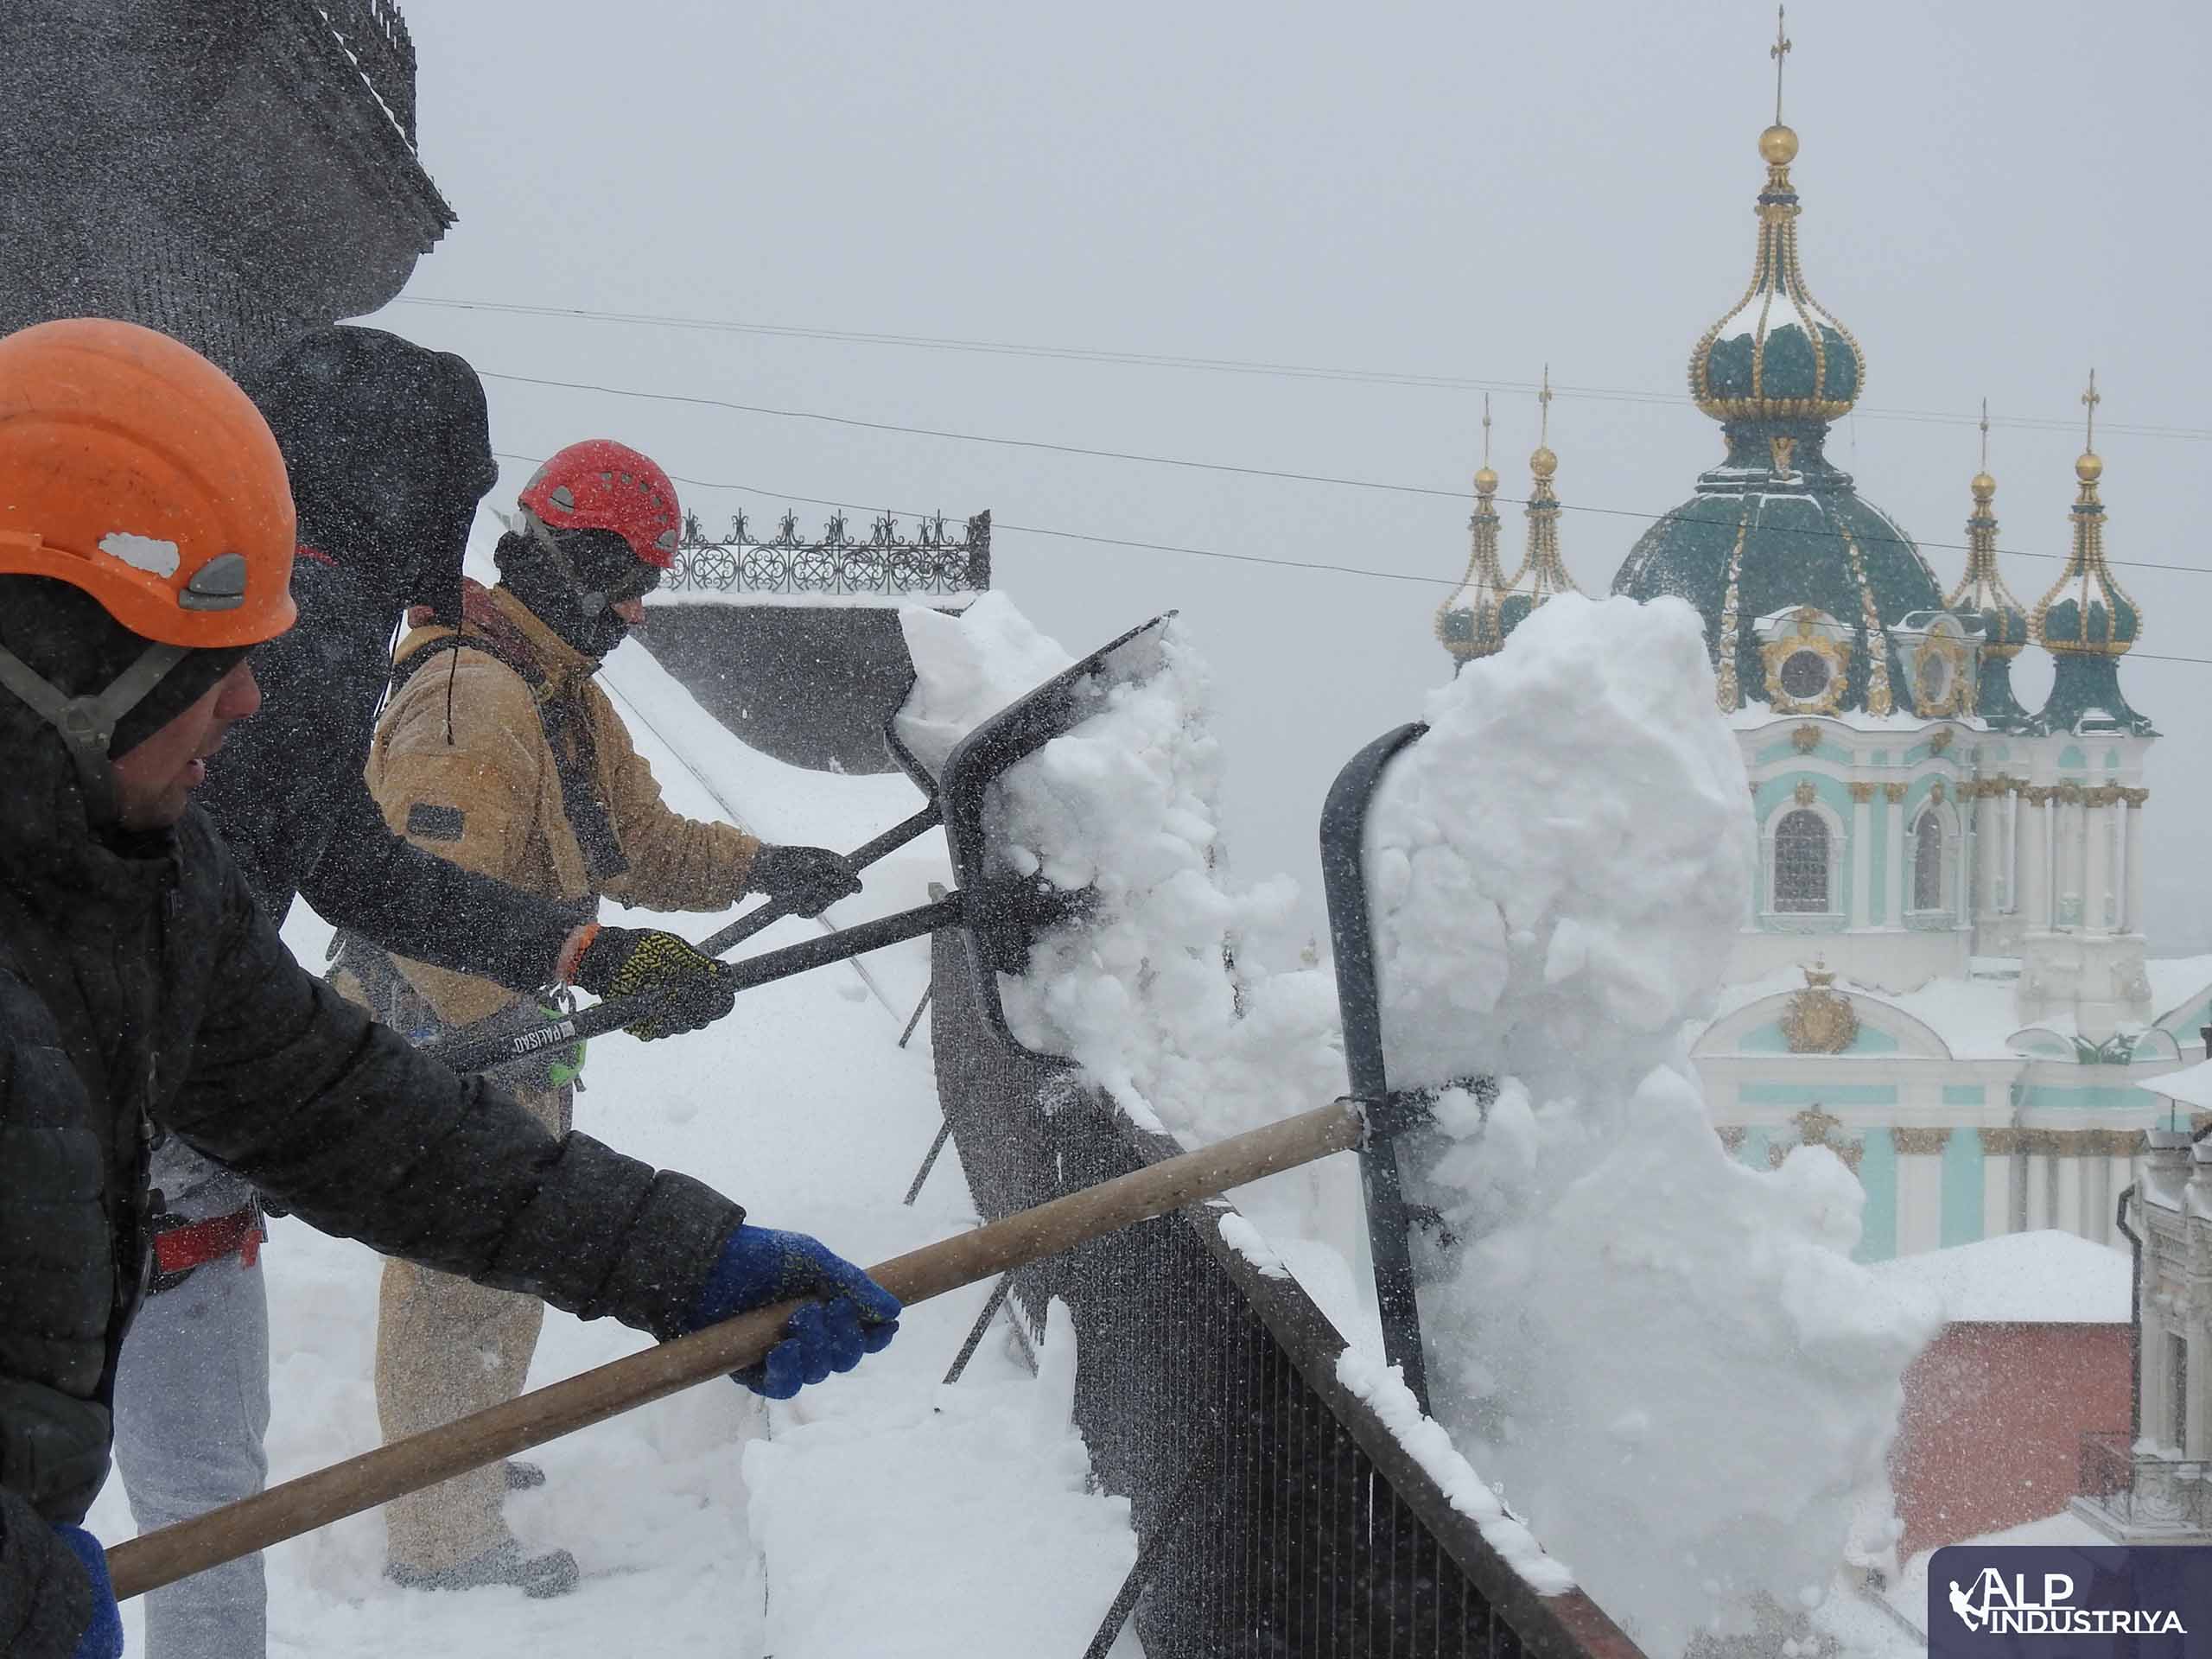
(1987, 845)
(1962, 907)
(1862, 855)
(1920, 1188)
(2000, 1151)
(2010, 809)
(2136, 797)
(2035, 859)
(1893, 896)
(2096, 863)
(2072, 881)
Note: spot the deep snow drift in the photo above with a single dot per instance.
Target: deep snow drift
(1668, 1361)
(1665, 1362)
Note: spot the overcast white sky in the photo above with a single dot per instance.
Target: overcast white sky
(1997, 196)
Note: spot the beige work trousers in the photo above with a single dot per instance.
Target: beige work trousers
(447, 1347)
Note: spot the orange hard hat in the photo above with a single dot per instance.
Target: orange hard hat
(132, 467)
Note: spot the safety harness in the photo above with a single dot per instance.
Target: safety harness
(562, 718)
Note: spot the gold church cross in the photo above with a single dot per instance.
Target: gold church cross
(1779, 50)
(1486, 429)
(1544, 408)
(1985, 435)
(2089, 401)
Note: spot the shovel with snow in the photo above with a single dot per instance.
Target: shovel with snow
(1177, 1183)
(1392, 1216)
(997, 910)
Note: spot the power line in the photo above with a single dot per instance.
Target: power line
(1157, 546)
(1235, 366)
(1274, 473)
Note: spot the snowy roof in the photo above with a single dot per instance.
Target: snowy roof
(2040, 1278)
(2191, 1085)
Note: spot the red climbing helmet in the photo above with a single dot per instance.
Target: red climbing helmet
(601, 485)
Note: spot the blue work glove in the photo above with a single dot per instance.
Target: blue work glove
(853, 1316)
(807, 880)
(103, 1638)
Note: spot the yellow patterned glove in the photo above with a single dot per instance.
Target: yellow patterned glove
(626, 962)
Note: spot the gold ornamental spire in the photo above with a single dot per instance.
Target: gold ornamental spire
(1778, 353)
(1982, 589)
(1469, 624)
(2087, 610)
(1542, 572)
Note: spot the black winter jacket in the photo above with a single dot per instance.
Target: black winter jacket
(287, 793)
(142, 989)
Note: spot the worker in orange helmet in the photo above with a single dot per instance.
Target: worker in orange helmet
(146, 542)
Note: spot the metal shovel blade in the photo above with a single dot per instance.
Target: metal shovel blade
(998, 936)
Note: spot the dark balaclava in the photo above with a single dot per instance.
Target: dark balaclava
(571, 580)
(62, 635)
(389, 449)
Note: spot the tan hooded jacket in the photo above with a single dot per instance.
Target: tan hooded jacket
(485, 793)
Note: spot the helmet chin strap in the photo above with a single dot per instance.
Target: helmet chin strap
(87, 723)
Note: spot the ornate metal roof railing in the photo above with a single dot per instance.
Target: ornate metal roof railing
(937, 559)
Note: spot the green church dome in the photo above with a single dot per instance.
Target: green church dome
(1775, 528)
(1776, 531)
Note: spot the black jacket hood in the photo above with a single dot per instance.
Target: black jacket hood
(389, 449)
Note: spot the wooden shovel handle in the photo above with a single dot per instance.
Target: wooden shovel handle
(362, 1483)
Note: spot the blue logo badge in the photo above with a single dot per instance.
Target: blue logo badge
(2050, 1602)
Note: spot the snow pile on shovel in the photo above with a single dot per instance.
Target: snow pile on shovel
(1142, 992)
(1667, 1361)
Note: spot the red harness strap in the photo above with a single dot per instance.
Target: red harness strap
(179, 1249)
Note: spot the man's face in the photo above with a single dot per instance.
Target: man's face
(156, 780)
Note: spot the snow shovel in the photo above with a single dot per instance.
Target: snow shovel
(374, 1477)
(999, 912)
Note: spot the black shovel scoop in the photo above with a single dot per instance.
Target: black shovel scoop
(999, 911)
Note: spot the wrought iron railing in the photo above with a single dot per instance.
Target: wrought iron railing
(2145, 1489)
(1275, 1513)
(939, 557)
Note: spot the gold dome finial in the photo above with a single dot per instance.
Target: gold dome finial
(2089, 469)
(1485, 479)
(1984, 485)
(1543, 463)
(1778, 144)
(1778, 51)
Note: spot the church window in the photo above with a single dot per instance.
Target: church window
(1932, 683)
(1805, 676)
(1927, 862)
(1801, 863)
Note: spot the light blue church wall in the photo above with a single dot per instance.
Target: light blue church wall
(1962, 1182)
(1877, 1174)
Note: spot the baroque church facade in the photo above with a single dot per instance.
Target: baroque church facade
(1942, 972)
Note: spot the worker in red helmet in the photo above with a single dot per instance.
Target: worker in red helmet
(500, 752)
